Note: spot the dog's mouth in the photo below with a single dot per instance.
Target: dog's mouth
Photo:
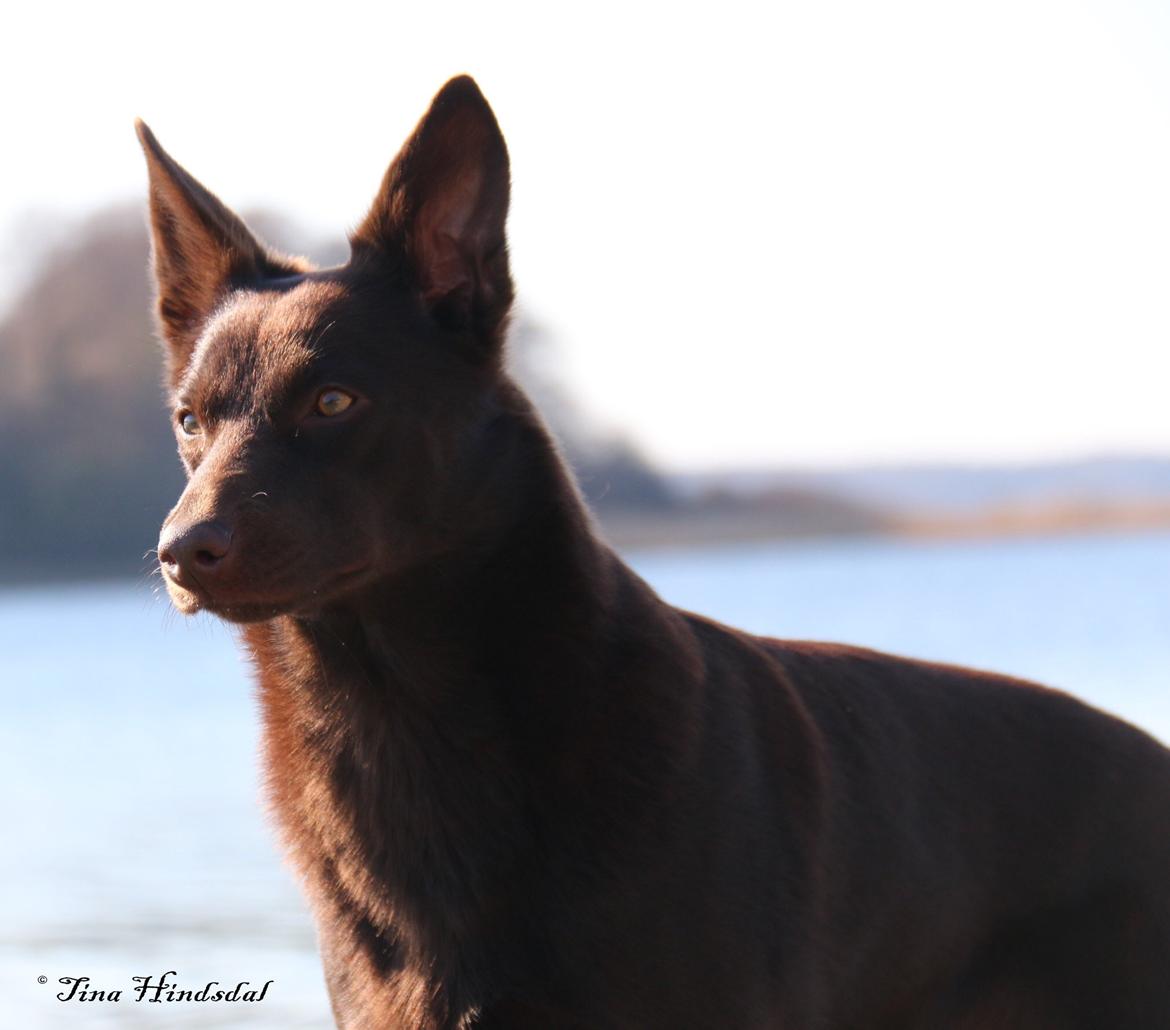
(254, 605)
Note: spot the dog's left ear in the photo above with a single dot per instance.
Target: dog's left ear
(443, 206)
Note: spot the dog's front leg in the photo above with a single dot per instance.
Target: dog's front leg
(368, 987)
(514, 1014)
(338, 965)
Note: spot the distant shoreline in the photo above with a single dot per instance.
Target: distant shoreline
(686, 528)
(646, 531)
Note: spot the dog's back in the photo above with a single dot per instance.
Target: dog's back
(521, 790)
(1015, 840)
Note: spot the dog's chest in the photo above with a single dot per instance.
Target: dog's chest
(404, 819)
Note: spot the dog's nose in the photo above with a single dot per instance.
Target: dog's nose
(191, 555)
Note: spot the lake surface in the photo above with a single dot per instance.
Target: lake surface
(137, 842)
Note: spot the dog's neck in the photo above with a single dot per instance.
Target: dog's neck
(430, 743)
(465, 637)
(531, 582)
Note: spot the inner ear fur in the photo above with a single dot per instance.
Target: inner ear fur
(200, 251)
(442, 208)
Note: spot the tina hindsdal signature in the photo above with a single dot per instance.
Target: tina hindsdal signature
(164, 989)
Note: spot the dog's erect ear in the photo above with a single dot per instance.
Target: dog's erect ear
(200, 252)
(442, 206)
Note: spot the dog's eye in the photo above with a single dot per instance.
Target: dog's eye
(189, 423)
(333, 402)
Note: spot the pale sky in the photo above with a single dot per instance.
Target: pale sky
(762, 234)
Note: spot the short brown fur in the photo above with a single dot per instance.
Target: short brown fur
(523, 791)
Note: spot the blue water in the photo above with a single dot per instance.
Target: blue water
(137, 841)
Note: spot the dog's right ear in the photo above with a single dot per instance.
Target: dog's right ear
(200, 251)
(442, 209)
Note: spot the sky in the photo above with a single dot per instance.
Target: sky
(786, 234)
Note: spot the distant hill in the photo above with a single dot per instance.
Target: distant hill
(959, 489)
(1088, 495)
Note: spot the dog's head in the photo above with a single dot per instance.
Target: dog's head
(336, 425)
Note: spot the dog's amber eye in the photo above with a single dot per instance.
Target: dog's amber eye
(189, 423)
(333, 402)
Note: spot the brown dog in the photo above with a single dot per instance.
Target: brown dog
(523, 792)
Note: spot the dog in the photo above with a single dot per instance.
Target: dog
(523, 792)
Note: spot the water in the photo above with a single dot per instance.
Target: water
(137, 841)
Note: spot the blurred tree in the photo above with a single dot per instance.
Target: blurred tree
(86, 464)
(612, 474)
